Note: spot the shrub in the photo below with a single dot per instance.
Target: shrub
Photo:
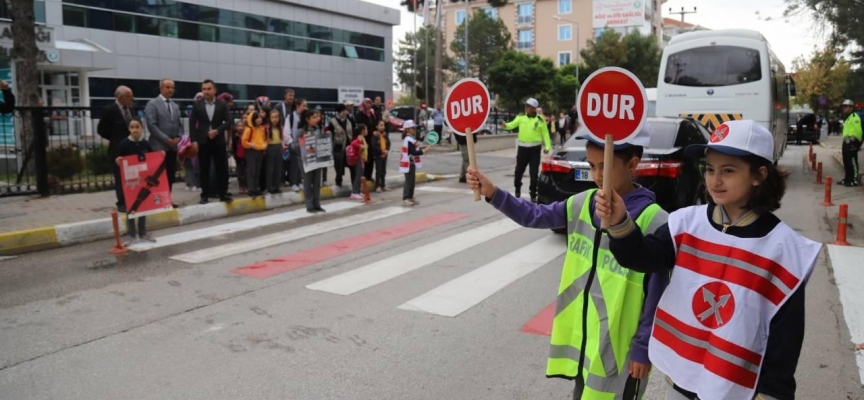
(98, 162)
(65, 162)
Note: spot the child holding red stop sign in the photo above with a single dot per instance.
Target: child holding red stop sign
(730, 325)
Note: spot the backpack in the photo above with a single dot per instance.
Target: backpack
(353, 155)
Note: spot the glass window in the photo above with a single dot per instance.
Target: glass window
(256, 39)
(714, 66)
(351, 52)
(98, 19)
(563, 58)
(124, 23)
(38, 10)
(565, 6)
(492, 12)
(207, 33)
(565, 32)
(460, 16)
(168, 28)
(526, 39)
(188, 31)
(525, 13)
(147, 25)
(73, 16)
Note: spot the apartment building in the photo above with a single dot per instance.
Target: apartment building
(555, 29)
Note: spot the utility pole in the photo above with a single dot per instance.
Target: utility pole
(682, 13)
(467, 19)
(439, 48)
(414, 67)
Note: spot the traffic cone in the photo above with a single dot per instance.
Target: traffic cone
(841, 226)
(827, 201)
(813, 162)
(819, 173)
(118, 248)
(366, 198)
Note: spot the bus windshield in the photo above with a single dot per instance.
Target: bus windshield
(713, 66)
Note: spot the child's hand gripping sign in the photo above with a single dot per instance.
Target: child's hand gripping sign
(613, 107)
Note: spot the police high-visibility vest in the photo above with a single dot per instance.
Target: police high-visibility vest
(532, 130)
(616, 300)
(852, 126)
(405, 159)
(711, 327)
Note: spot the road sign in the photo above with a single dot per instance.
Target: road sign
(432, 137)
(467, 106)
(613, 102)
(823, 101)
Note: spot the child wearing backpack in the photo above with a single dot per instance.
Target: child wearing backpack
(731, 322)
(601, 345)
(357, 155)
(409, 162)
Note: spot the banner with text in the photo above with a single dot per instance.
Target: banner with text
(145, 184)
(354, 94)
(317, 151)
(619, 13)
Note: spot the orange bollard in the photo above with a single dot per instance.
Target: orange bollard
(819, 173)
(810, 152)
(813, 162)
(118, 245)
(841, 226)
(366, 198)
(827, 201)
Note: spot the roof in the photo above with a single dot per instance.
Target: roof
(731, 33)
(677, 23)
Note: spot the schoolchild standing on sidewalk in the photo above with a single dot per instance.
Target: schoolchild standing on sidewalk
(358, 154)
(409, 162)
(255, 142)
(312, 179)
(133, 145)
(380, 144)
(275, 147)
(603, 344)
(239, 153)
(730, 325)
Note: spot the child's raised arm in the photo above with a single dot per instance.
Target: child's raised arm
(521, 211)
(654, 252)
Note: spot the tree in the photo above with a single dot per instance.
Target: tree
(826, 74)
(26, 75)
(563, 92)
(844, 17)
(488, 39)
(405, 71)
(634, 52)
(517, 76)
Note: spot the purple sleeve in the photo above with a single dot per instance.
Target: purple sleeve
(654, 286)
(528, 214)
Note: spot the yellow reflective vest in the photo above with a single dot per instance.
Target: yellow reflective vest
(531, 129)
(614, 305)
(852, 126)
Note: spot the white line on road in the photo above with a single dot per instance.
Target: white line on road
(4, 258)
(459, 295)
(848, 274)
(444, 189)
(244, 246)
(234, 227)
(362, 278)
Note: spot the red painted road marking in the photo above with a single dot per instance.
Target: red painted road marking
(281, 265)
(541, 324)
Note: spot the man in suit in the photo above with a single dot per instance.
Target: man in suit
(114, 127)
(209, 121)
(163, 123)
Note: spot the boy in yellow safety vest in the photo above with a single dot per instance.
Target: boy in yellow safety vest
(604, 312)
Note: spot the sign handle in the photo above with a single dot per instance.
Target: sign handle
(472, 158)
(608, 159)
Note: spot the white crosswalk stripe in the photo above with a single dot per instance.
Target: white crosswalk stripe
(359, 279)
(234, 227)
(459, 295)
(261, 242)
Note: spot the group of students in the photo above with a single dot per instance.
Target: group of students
(712, 295)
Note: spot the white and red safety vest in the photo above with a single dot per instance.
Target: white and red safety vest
(712, 323)
(405, 160)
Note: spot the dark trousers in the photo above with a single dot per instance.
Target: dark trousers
(528, 157)
(358, 171)
(380, 172)
(312, 189)
(118, 187)
(850, 161)
(439, 130)
(213, 150)
(254, 161)
(408, 188)
(241, 171)
(171, 168)
(295, 167)
(274, 167)
(142, 226)
(339, 162)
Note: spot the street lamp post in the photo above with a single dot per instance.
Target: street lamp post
(560, 18)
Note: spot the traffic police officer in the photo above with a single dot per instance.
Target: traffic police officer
(851, 143)
(533, 137)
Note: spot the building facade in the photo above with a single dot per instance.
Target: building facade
(555, 29)
(249, 47)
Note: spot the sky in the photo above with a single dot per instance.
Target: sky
(789, 37)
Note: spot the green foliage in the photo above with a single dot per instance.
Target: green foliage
(563, 93)
(488, 40)
(842, 18)
(65, 162)
(517, 76)
(97, 160)
(826, 73)
(404, 65)
(634, 52)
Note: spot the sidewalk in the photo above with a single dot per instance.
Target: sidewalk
(29, 223)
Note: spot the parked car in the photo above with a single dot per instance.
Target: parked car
(676, 180)
(394, 123)
(809, 130)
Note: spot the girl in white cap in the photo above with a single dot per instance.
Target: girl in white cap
(409, 162)
(731, 322)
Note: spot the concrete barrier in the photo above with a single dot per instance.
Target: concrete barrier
(487, 143)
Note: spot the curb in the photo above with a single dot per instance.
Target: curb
(18, 242)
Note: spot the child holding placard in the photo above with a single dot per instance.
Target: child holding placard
(409, 162)
(134, 145)
(602, 344)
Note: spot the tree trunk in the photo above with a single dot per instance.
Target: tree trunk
(439, 48)
(26, 73)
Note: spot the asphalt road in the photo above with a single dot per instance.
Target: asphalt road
(433, 308)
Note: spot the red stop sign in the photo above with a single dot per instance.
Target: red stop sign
(612, 101)
(467, 106)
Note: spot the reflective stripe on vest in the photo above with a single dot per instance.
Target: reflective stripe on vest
(609, 331)
(711, 325)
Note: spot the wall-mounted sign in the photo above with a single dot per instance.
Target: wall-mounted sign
(47, 55)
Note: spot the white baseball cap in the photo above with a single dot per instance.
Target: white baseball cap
(847, 102)
(643, 138)
(532, 102)
(409, 124)
(737, 138)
